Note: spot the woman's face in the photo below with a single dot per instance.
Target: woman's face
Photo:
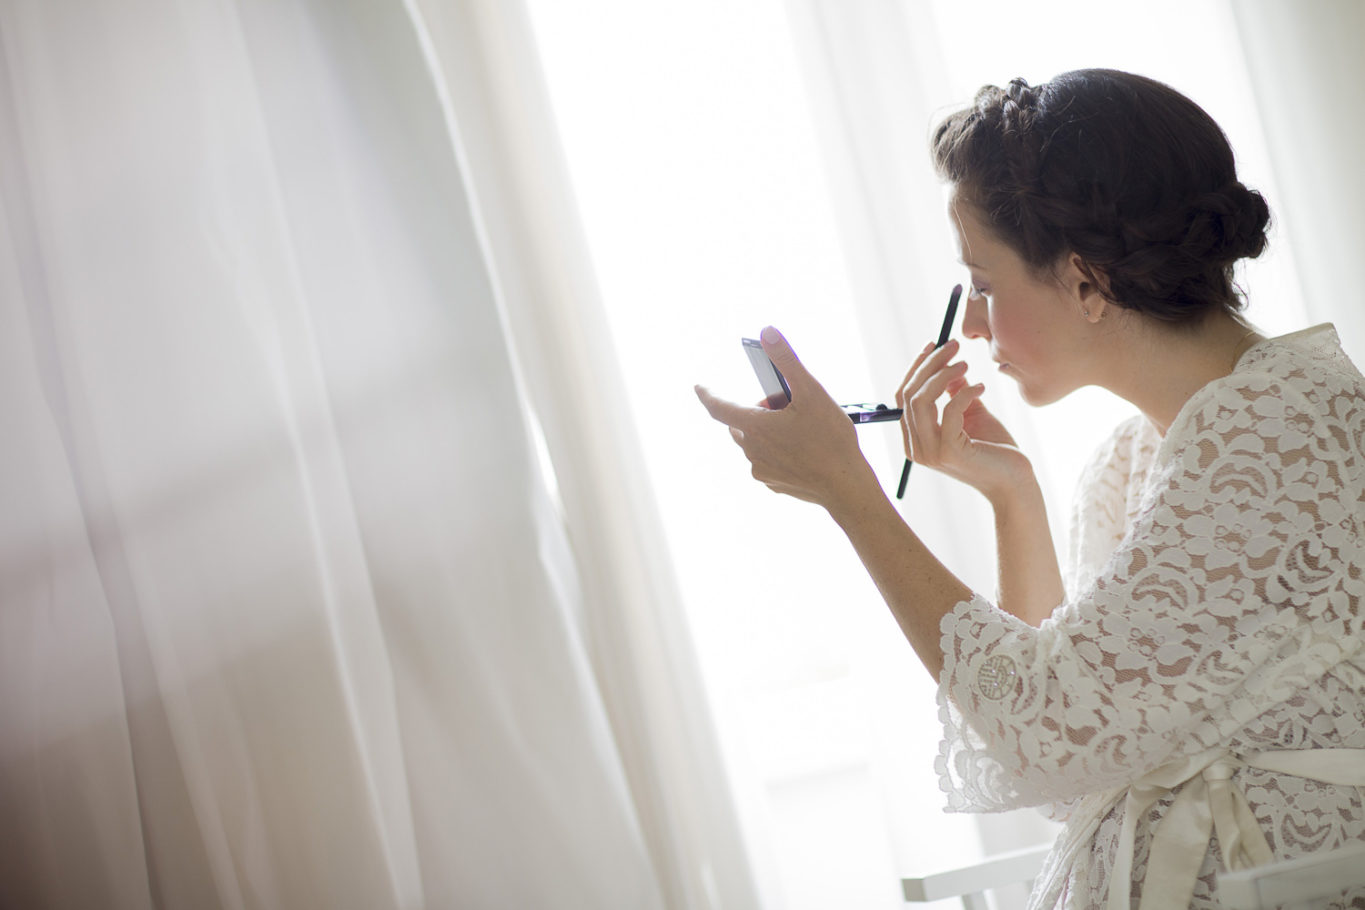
(1034, 324)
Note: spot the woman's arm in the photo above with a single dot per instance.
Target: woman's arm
(917, 588)
(968, 443)
(1029, 577)
(809, 450)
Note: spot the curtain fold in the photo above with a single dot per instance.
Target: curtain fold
(873, 74)
(288, 613)
(875, 77)
(1308, 77)
(484, 54)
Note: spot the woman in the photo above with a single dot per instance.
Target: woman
(1201, 680)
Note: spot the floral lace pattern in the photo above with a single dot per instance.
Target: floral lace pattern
(1214, 601)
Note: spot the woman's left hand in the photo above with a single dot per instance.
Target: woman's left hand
(808, 449)
(965, 441)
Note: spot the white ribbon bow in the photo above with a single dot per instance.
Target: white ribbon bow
(1208, 802)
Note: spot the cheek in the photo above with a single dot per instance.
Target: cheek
(1028, 324)
(1011, 326)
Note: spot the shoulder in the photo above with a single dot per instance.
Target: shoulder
(1101, 503)
(1292, 379)
(1121, 444)
(1291, 399)
(1114, 460)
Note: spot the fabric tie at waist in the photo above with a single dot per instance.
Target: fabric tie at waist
(1208, 802)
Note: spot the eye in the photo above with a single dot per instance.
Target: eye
(979, 292)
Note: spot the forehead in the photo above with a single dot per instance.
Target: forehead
(974, 240)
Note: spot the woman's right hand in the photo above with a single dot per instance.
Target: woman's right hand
(966, 441)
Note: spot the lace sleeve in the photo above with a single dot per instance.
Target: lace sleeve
(1239, 584)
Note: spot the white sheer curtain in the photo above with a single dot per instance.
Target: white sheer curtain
(637, 636)
(289, 613)
(1308, 78)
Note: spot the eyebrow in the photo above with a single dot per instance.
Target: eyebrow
(971, 265)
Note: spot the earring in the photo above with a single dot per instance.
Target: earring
(1086, 313)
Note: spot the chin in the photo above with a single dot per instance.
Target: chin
(1037, 396)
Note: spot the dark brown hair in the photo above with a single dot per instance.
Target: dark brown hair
(1122, 170)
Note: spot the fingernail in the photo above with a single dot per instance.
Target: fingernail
(770, 335)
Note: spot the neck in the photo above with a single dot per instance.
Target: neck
(1158, 367)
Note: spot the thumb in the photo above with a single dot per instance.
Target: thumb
(785, 359)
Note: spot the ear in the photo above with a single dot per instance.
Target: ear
(1088, 286)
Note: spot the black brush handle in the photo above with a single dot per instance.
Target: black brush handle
(943, 335)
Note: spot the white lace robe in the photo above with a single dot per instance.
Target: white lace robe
(1215, 601)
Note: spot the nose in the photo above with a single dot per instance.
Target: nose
(974, 323)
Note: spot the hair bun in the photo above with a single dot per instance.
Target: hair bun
(1228, 224)
(1253, 218)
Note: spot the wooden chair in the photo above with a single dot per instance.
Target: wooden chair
(1307, 881)
(1302, 884)
(970, 883)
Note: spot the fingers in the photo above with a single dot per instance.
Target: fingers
(808, 449)
(903, 393)
(780, 352)
(925, 365)
(900, 390)
(727, 412)
(929, 363)
(736, 417)
(923, 403)
(951, 429)
(924, 431)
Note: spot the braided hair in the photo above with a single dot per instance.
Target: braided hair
(1124, 171)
